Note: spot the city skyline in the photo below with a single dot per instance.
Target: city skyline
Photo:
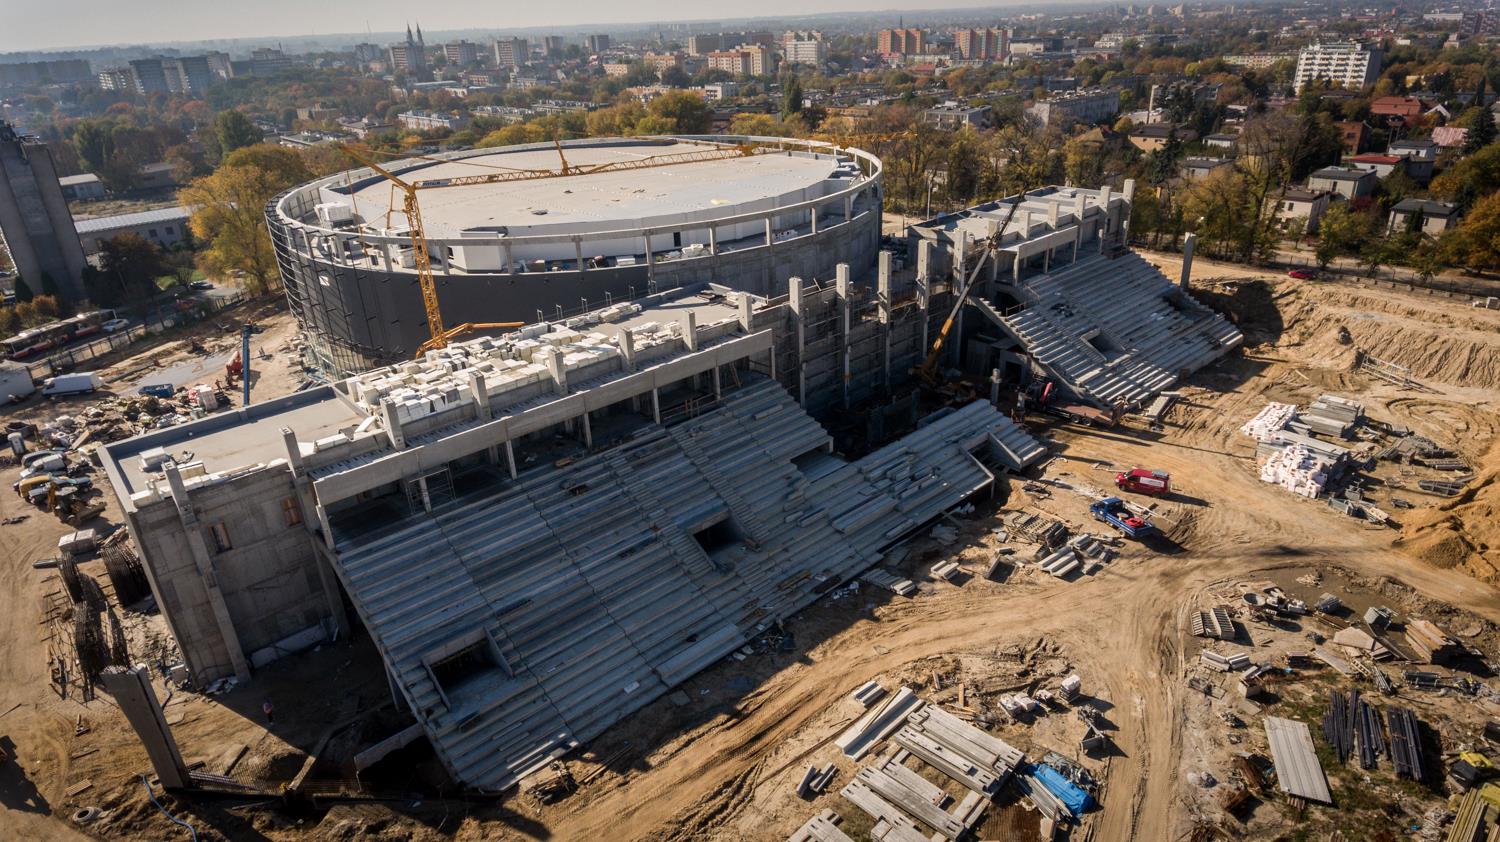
(93, 23)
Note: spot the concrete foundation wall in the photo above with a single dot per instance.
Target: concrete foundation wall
(269, 576)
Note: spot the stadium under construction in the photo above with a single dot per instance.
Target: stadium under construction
(544, 530)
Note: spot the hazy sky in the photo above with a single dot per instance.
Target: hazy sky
(53, 24)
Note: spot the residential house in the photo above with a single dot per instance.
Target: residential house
(954, 115)
(1153, 136)
(1450, 137)
(1380, 165)
(1353, 134)
(81, 188)
(1302, 208)
(1193, 169)
(1350, 183)
(1420, 154)
(1221, 140)
(1428, 216)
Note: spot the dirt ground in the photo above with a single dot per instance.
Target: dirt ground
(723, 765)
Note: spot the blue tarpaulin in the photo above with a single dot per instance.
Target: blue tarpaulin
(1075, 799)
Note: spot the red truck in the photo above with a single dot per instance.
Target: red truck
(1145, 481)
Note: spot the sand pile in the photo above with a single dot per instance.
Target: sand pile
(1435, 343)
(1463, 532)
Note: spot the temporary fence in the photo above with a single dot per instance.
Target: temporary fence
(70, 358)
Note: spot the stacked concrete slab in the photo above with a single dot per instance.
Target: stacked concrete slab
(585, 586)
(1146, 332)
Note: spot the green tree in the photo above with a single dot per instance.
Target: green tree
(228, 216)
(791, 100)
(685, 112)
(234, 130)
(1475, 243)
(129, 267)
(1341, 230)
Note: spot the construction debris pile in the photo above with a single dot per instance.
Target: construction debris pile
(907, 805)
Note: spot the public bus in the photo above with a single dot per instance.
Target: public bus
(42, 338)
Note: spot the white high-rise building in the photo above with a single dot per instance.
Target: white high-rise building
(1350, 65)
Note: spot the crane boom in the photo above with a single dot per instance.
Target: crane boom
(991, 245)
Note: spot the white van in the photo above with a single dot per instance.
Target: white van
(73, 384)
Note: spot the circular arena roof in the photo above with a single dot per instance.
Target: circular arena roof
(604, 201)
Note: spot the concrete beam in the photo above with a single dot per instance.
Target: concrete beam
(132, 691)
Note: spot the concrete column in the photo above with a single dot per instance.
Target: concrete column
(656, 404)
(1128, 193)
(198, 548)
(650, 260)
(689, 321)
(794, 302)
(815, 220)
(994, 387)
(588, 431)
(960, 252)
(392, 424)
(627, 348)
(578, 250)
(1105, 217)
(480, 390)
(718, 384)
(770, 235)
(509, 255)
(132, 691)
(293, 451)
(1189, 243)
(713, 240)
(1052, 215)
(746, 312)
(924, 287)
(510, 457)
(883, 308)
(553, 360)
(1080, 208)
(846, 307)
(849, 207)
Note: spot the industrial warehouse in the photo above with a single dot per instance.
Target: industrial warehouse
(647, 484)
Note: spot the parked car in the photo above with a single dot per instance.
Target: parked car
(1303, 274)
(201, 285)
(115, 325)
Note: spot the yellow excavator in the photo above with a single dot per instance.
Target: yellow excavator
(439, 336)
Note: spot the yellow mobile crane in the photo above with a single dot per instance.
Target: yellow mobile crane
(928, 369)
(440, 336)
